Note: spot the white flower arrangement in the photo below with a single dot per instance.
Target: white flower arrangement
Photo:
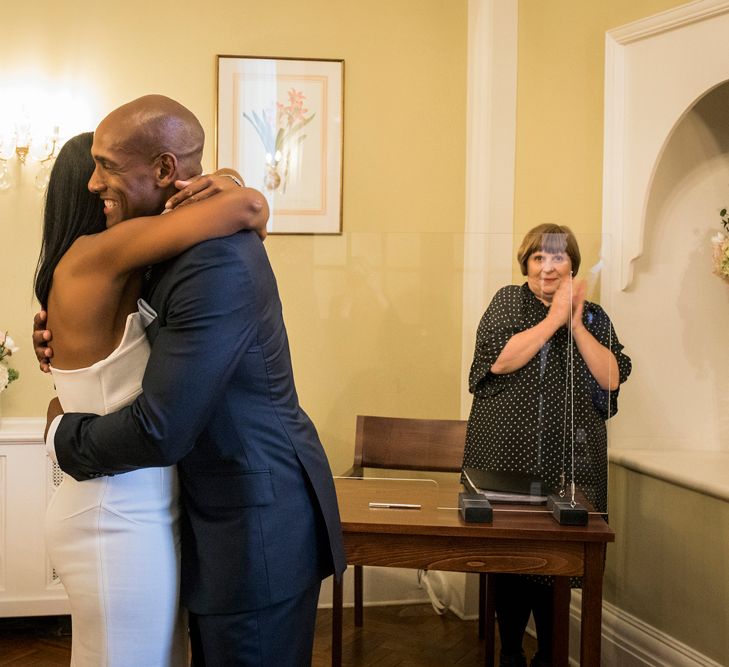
(720, 248)
(7, 349)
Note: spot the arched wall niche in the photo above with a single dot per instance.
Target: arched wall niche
(697, 138)
(690, 173)
(656, 69)
(666, 178)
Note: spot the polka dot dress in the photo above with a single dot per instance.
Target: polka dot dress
(521, 421)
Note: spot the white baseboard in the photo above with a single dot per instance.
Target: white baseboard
(23, 606)
(382, 587)
(629, 642)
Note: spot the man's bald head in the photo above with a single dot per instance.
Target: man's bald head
(140, 150)
(154, 124)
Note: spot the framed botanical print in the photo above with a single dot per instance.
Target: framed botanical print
(280, 124)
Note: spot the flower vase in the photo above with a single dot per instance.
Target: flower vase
(272, 179)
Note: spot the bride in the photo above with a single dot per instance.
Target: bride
(114, 541)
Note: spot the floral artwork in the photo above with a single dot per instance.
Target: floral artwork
(7, 374)
(280, 131)
(280, 125)
(720, 248)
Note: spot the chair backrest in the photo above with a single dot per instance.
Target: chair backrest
(409, 444)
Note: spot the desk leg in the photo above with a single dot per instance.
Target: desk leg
(482, 585)
(337, 603)
(561, 619)
(358, 595)
(489, 616)
(592, 605)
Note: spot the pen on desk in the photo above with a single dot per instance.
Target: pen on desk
(394, 506)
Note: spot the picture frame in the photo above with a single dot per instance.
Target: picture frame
(279, 122)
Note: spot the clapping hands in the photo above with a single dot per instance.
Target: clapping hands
(569, 298)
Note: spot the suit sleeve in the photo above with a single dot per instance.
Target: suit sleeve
(209, 324)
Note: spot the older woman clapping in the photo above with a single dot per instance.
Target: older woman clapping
(529, 339)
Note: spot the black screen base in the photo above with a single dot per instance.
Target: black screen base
(474, 508)
(565, 513)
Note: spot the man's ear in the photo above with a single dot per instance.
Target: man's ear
(165, 168)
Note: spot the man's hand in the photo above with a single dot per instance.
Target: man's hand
(41, 341)
(207, 185)
(54, 409)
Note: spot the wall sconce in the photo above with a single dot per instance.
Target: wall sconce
(22, 141)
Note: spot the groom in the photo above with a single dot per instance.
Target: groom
(261, 526)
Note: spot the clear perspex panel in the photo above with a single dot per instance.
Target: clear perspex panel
(541, 358)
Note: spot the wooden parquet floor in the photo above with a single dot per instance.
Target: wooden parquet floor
(35, 642)
(398, 636)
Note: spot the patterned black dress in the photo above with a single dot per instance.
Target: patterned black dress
(521, 421)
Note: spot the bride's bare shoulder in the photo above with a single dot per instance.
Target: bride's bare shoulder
(83, 256)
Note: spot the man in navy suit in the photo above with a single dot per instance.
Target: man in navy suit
(261, 526)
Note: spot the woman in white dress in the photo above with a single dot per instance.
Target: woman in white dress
(114, 541)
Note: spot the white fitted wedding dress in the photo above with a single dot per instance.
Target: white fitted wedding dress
(114, 541)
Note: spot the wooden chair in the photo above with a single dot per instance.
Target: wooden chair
(414, 444)
(409, 444)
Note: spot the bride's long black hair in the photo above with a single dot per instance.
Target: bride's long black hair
(70, 209)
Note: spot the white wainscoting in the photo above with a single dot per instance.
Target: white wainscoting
(28, 586)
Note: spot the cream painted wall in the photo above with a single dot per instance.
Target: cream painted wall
(373, 315)
(560, 111)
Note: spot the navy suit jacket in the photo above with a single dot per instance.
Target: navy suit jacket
(260, 521)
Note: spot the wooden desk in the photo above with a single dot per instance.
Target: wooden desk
(521, 539)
